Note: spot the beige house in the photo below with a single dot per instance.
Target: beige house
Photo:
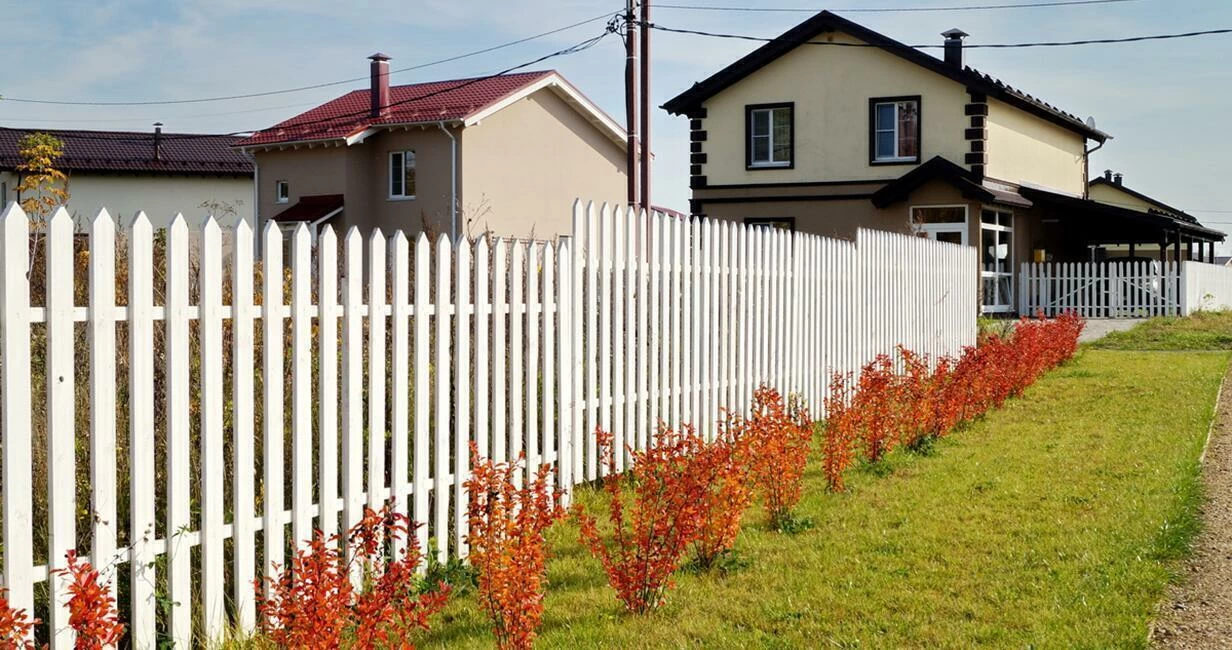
(161, 174)
(832, 126)
(505, 154)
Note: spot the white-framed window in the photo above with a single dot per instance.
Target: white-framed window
(895, 126)
(282, 191)
(770, 135)
(997, 260)
(772, 223)
(401, 175)
(947, 223)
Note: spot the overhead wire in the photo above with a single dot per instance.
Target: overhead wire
(1021, 5)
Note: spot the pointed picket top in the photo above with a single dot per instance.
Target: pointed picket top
(353, 238)
(60, 224)
(210, 227)
(243, 229)
(327, 237)
(302, 236)
(376, 236)
(422, 245)
(102, 220)
(481, 249)
(271, 231)
(400, 242)
(443, 244)
(178, 223)
(141, 225)
(16, 224)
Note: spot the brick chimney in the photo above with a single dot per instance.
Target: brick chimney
(158, 141)
(380, 84)
(954, 47)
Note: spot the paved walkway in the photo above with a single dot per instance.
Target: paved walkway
(1097, 327)
(1199, 614)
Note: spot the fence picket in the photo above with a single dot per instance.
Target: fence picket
(301, 386)
(461, 396)
(103, 393)
(400, 367)
(213, 469)
(327, 381)
(179, 499)
(242, 418)
(352, 386)
(61, 433)
(420, 455)
(441, 364)
(376, 370)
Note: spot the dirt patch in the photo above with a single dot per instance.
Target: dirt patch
(1198, 613)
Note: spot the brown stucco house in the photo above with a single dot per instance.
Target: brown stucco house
(831, 127)
(505, 154)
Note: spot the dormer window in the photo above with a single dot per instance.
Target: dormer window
(770, 136)
(894, 130)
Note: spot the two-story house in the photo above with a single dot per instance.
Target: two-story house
(506, 154)
(831, 127)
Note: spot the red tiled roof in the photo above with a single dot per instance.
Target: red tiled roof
(311, 208)
(133, 152)
(434, 101)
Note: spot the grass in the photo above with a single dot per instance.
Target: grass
(1054, 522)
(1201, 331)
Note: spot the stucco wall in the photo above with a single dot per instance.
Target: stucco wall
(1024, 148)
(308, 172)
(526, 164)
(831, 88)
(1110, 194)
(161, 197)
(368, 182)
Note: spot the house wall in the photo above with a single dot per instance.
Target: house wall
(308, 172)
(831, 88)
(1023, 148)
(368, 204)
(527, 163)
(1110, 194)
(160, 197)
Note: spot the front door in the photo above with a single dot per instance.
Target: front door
(997, 260)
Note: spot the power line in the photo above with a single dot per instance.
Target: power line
(167, 102)
(1091, 41)
(1024, 5)
(336, 119)
(147, 120)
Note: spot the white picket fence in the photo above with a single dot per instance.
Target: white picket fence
(1100, 289)
(1205, 287)
(521, 347)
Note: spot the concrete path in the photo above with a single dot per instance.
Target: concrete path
(1098, 327)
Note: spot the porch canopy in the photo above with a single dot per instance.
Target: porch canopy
(1101, 224)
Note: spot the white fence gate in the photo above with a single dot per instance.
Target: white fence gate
(195, 406)
(1101, 289)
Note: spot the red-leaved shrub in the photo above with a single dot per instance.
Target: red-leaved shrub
(663, 518)
(15, 625)
(778, 437)
(313, 603)
(841, 430)
(507, 546)
(91, 606)
(722, 464)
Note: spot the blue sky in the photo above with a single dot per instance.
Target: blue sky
(1165, 103)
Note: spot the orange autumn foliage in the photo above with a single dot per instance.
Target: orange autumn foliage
(722, 465)
(777, 436)
(313, 604)
(91, 606)
(838, 445)
(653, 532)
(507, 545)
(15, 625)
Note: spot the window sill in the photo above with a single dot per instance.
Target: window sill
(282, 201)
(776, 165)
(400, 198)
(894, 161)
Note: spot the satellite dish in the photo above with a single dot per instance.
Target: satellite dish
(1091, 121)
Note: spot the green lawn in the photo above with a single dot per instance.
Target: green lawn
(1201, 331)
(1051, 523)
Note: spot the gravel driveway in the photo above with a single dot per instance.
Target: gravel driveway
(1199, 611)
(1096, 328)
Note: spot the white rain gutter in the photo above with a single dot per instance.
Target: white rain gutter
(453, 180)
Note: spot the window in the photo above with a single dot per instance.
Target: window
(770, 135)
(776, 223)
(947, 223)
(997, 260)
(894, 124)
(402, 174)
(282, 191)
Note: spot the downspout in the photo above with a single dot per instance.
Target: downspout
(453, 180)
(1086, 167)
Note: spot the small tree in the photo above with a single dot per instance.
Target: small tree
(43, 187)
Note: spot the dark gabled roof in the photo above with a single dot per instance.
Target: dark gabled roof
(311, 208)
(691, 100)
(936, 169)
(132, 152)
(1164, 208)
(1075, 205)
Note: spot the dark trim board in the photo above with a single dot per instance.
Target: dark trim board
(872, 130)
(741, 186)
(787, 199)
(748, 135)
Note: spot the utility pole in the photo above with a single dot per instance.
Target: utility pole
(644, 30)
(631, 164)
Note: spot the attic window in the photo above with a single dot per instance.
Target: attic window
(894, 125)
(282, 191)
(771, 135)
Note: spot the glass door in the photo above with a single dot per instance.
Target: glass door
(947, 223)
(997, 260)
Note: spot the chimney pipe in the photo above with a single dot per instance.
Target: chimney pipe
(380, 85)
(158, 141)
(1116, 179)
(954, 47)
(1108, 175)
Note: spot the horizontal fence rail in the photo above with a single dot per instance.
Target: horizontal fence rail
(186, 417)
(1137, 289)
